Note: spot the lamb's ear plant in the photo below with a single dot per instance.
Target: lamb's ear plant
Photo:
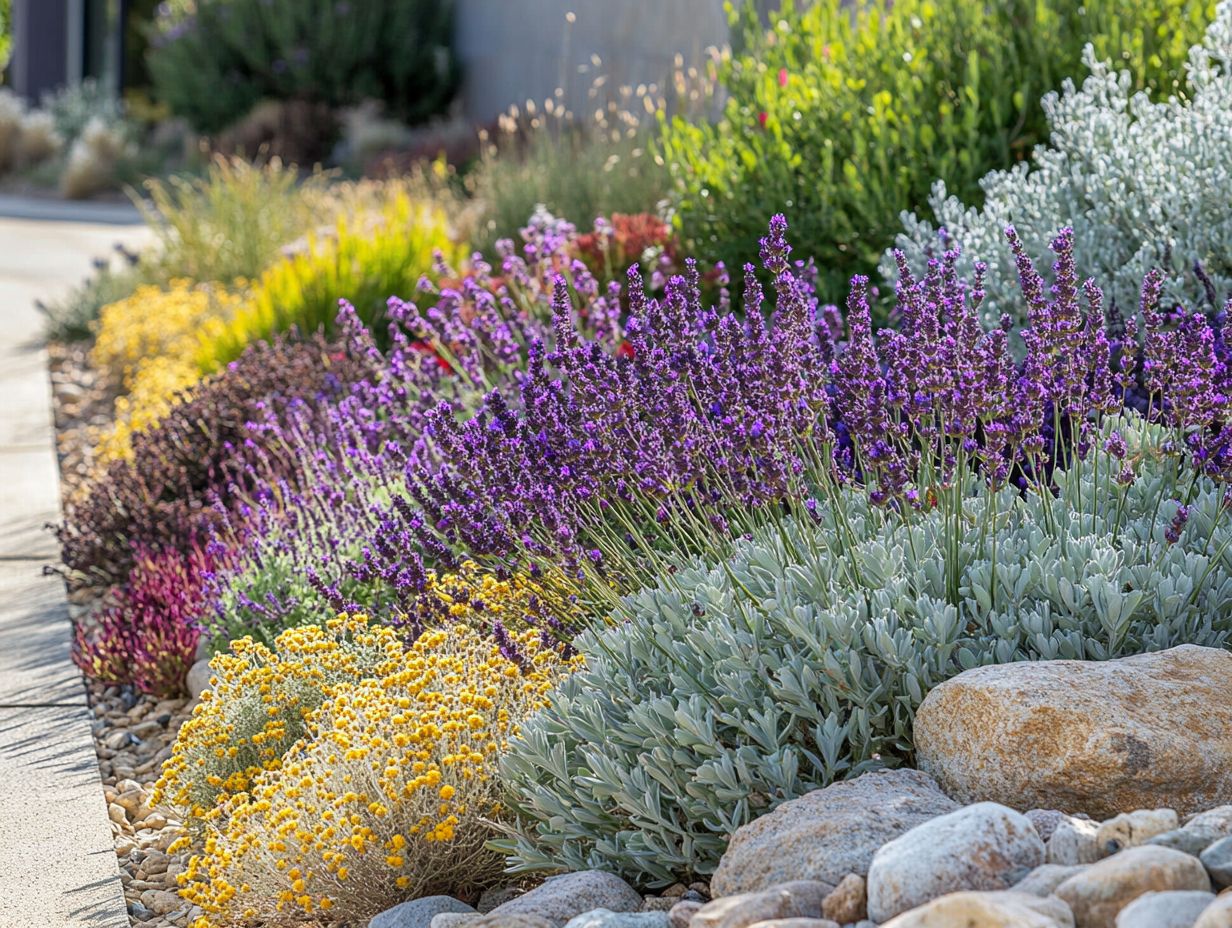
(1143, 185)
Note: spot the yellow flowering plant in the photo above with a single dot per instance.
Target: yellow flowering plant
(146, 345)
(391, 793)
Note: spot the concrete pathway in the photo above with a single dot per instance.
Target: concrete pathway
(57, 863)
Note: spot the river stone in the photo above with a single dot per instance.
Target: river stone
(1218, 914)
(1131, 829)
(985, 846)
(796, 899)
(848, 902)
(418, 913)
(1073, 841)
(1044, 879)
(1100, 891)
(828, 833)
(682, 913)
(1218, 862)
(797, 923)
(1199, 832)
(458, 920)
(199, 678)
(986, 910)
(1101, 737)
(1164, 910)
(571, 894)
(606, 918)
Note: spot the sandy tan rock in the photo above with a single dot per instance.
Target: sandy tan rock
(848, 902)
(1100, 891)
(1218, 914)
(1164, 910)
(986, 910)
(1044, 879)
(1148, 731)
(829, 832)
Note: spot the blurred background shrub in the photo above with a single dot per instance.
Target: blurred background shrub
(844, 117)
(212, 61)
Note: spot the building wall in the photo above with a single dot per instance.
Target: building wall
(518, 50)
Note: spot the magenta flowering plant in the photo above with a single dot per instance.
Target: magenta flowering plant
(147, 634)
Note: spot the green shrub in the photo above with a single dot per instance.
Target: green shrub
(843, 118)
(213, 60)
(732, 687)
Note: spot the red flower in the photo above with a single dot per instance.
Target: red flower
(762, 117)
(625, 350)
(426, 348)
(782, 77)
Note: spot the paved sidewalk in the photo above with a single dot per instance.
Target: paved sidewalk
(57, 863)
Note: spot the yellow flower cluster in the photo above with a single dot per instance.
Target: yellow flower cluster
(147, 345)
(258, 705)
(391, 792)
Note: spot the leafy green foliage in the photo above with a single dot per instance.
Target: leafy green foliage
(731, 687)
(213, 60)
(844, 117)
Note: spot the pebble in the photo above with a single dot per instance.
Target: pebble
(1073, 841)
(985, 846)
(1218, 862)
(797, 923)
(797, 899)
(1100, 891)
(1164, 910)
(1131, 829)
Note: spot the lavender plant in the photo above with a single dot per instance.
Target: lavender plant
(729, 687)
(1143, 185)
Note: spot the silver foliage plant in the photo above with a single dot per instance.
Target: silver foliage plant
(732, 687)
(1142, 184)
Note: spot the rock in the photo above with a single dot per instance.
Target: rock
(848, 902)
(199, 678)
(986, 910)
(1103, 737)
(828, 833)
(658, 903)
(1044, 879)
(1218, 862)
(453, 920)
(982, 847)
(160, 902)
(605, 918)
(116, 813)
(797, 899)
(682, 913)
(459, 920)
(1100, 891)
(1199, 832)
(569, 895)
(1073, 841)
(1164, 910)
(489, 899)
(1218, 914)
(1131, 829)
(1045, 821)
(418, 913)
(797, 923)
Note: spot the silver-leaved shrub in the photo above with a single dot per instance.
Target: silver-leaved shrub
(1143, 184)
(732, 687)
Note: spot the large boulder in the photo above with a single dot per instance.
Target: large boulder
(565, 897)
(829, 832)
(798, 899)
(1144, 732)
(982, 847)
(1164, 910)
